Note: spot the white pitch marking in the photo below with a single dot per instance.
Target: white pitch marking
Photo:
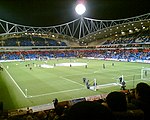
(55, 93)
(14, 82)
(71, 81)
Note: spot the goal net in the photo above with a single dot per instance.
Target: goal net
(92, 84)
(145, 73)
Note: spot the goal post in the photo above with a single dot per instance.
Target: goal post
(94, 85)
(145, 73)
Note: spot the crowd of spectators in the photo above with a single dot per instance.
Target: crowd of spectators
(129, 55)
(140, 38)
(30, 41)
(117, 105)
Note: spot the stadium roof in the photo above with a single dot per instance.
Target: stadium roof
(55, 12)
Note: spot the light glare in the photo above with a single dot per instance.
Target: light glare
(80, 9)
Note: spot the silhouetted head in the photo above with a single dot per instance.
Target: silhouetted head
(117, 101)
(142, 91)
(88, 110)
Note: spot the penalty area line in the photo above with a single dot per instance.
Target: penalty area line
(72, 81)
(65, 91)
(55, 93)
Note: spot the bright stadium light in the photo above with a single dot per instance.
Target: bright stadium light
(80, 9)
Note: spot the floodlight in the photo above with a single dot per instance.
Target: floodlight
(80, 9)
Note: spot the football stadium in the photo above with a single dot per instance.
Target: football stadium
(81, 60)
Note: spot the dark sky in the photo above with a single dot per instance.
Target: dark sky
(55, 12)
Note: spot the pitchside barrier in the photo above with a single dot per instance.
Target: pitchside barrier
(33, 109)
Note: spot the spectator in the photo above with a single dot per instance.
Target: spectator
(116, 101)
(87, 110)
(59, 112)
(142, 99)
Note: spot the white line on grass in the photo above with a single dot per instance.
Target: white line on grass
(60, 91)
(106, 85)
(14, 82)
(72, 81)
(102, 86)
(56, 92)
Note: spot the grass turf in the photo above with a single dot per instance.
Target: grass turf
(42, 85)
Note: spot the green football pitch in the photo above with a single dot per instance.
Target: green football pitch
(21, 86)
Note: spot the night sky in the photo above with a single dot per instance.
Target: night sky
(55, 12)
